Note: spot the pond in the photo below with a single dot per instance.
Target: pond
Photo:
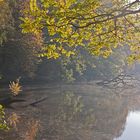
(74, 112)
(132, 127)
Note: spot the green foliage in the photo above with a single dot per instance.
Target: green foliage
(83, 67)
(72, 65)
(3, 123)
(87, 67)
(60, 30)
(97, 25)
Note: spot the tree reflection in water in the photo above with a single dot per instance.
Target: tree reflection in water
(83, 113)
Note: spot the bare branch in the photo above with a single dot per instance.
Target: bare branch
(123, 14)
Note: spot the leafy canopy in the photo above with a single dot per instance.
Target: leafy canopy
(96, 25)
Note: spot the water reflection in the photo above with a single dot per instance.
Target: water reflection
(132, 128)
(78, 113)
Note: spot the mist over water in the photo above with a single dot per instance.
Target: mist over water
(73, 112)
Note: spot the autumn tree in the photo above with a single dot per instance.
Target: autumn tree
(6, 21)
(99, 26)
(18, 52)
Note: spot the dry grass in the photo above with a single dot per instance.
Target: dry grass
(15, 87)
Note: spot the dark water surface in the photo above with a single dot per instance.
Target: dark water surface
(76, 112)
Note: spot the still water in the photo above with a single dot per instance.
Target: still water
(132, 127)
(75, 112)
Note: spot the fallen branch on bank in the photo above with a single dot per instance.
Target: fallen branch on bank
(120, 81)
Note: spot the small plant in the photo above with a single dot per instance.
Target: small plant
(3, 123)
(13, 120)
(15, 87)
